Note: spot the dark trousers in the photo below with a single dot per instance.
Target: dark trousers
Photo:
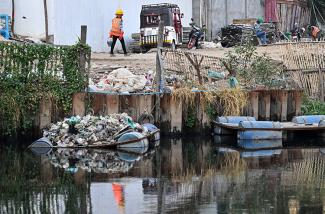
(114, 43)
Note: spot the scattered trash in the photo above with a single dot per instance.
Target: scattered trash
(123, 81)
(34, 40)
(233, 82)
(209, 45)
(216, 75)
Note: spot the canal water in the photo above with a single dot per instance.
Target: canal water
(180, 176)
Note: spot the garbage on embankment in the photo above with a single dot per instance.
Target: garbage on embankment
(123, 81)
(91, 130)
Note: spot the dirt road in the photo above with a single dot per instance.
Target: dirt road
(141, 63)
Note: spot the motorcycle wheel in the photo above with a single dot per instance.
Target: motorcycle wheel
(191, 43)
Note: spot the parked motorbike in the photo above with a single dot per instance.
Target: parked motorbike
(196, 35)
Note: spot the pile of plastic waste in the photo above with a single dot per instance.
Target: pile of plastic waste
(123, 81)
(90, 130)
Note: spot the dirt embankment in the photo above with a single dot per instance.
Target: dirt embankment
(103, 63)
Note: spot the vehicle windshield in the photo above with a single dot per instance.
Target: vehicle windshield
(151, 19)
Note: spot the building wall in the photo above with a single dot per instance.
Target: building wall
(66, 17)
(98, 15)
(5, 7)
(222, 12)
(29, 18)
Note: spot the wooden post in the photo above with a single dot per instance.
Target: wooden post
(158, 56)
(321, 85)
(267, 100)
(284, 105)
(45, 112)
(159, 69)
(13, 16)
(112, 104)
(254, 104)
(176, 110)
(298, 102)
(46, 21)
(83, 39)
(78, 104)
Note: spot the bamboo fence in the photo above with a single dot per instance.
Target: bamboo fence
(192, 65)
(305, 63)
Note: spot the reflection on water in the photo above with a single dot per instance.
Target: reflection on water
(182, 176)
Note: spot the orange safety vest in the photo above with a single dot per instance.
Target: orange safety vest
(315, 31)
(116, 27)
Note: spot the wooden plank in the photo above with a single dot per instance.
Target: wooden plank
(321, 85)
(112, 104)
(165, 116)
(254, 104)
(99, 104)
(78, 104)
(284, 105)
(45, 113)
(298, 102)
(145, 104)
(275, 106)
(176, 112)
(267, 101)
(82, 56)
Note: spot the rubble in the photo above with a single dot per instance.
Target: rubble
(90, 130)
(210, 45)
(123, 80)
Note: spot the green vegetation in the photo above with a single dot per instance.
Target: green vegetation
(29, 73)
(312, 107)
(245, 63)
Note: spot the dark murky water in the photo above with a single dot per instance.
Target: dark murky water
(181, 176)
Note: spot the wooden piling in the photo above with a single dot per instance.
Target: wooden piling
(78, 104)
(176, 111)
(45, 113)
(112, 104)
(284, 105)
(321, 85)
(254, 104)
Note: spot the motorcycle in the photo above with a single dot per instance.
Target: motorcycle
(196, 35)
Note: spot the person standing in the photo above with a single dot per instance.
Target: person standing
(117, 31)
(315, 33)
(259, 32)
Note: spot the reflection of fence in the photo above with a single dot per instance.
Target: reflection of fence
(193, 66)
(305, 63)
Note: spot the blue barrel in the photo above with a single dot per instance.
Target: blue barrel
(260, 153)
(260, 144)
(259, 134)
(309, 119)
(152, 128)
(136, 139)
(42, 146)
(234, 119)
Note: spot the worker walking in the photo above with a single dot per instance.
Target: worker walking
(117, 31)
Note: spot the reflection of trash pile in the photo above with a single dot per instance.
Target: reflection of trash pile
(90, 130)
(89, 160)
(123, 81)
